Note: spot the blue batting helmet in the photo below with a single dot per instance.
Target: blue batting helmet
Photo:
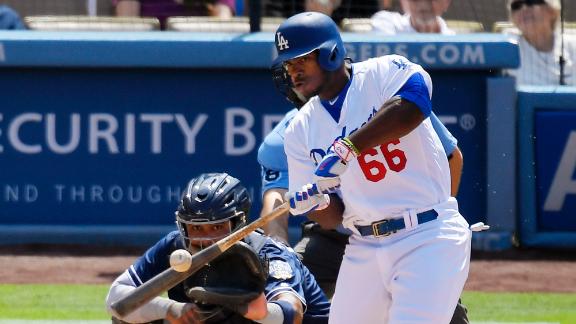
(306, 32)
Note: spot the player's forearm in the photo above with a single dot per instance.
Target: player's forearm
(153, 310)
(456, 164)
(257, 309)
(284, 308)
(396, 118)
(277, 228)
(330, 217)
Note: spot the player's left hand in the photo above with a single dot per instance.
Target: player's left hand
(183, 313)
(306, 200)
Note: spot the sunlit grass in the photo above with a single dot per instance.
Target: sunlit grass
(521, 307)
(53, 301)
(86, 302)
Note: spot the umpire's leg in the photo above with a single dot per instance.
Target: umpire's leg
(321, 252)
(460, 314)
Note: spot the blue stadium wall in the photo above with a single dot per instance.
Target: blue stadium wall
(547, 179)
(99, 132)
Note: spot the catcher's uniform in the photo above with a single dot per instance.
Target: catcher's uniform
(286, 274)
(412, 275)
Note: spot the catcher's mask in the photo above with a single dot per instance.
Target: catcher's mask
(212, 206)
(284, 85)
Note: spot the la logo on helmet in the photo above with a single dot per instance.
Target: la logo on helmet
(282, 43)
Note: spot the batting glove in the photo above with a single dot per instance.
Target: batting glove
(327, 185)
(334, 164)
(307, 200)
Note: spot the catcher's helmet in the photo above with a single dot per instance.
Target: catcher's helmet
(213, 198)
(284, 85)
(306, 32)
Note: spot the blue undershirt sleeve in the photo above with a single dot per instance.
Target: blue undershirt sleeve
(449, 142)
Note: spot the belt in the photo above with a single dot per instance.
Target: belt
(386, 227)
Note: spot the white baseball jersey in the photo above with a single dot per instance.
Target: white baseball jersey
(410, 173)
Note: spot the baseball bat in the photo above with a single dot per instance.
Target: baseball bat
(170, 277)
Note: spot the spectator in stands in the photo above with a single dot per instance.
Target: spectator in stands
(162, 9)
(337, 9)
(359, 9)
(540, 43)
(420, 16)
(288, 8)
(9, 19)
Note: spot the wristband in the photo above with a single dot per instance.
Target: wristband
(345, 149)
(279, 312)
(351, 145)
(274, 315)
(287, 311)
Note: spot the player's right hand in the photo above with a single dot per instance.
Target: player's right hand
(183, 313)
(306, 200)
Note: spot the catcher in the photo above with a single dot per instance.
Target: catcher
(255, 281)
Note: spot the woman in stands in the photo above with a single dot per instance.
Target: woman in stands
(546, 56)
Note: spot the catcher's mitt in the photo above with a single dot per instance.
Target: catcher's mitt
(232, 280)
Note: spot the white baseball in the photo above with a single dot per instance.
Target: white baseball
(180, 260)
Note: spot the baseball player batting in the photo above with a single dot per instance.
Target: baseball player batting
(322, 250)
(366, 135)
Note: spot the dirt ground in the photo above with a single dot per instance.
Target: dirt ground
(514, 270)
